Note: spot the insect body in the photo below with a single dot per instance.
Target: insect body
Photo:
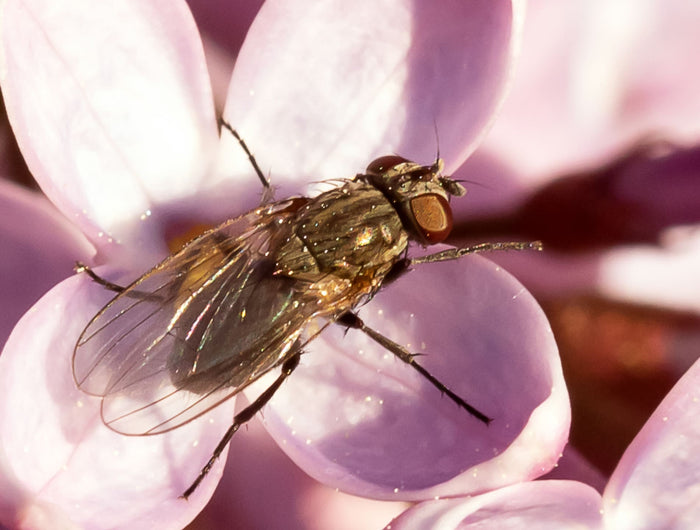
(237, 301)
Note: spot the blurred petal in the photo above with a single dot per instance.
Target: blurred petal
(40, 248)
(595, 75)
(666, 276)
(111, 122)
(657, 482)
(356, 418)
(316, 105)
(552, 504)
(55, 453)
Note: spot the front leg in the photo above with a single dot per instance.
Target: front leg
(403, 265)
(456, 253)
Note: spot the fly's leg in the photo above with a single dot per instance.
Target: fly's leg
(243, 417)
(267, 188)
(81, 267)
(351, 320)
(456, 253)
(403, 265)
(132, 293)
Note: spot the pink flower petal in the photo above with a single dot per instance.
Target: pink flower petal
(111, 106)
(551, 504)
(355, 417)
(656, 483)
(319, 90)
(39, 249)
(55, 452)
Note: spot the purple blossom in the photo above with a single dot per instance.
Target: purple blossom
(113, 110)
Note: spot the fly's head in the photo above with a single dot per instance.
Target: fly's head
(420, 194)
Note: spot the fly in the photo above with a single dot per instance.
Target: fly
(237, 301)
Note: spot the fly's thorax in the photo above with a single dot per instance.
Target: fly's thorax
(350, 232)
(420, 195)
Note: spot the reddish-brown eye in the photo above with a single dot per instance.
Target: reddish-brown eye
(433, 217)
(383, 163)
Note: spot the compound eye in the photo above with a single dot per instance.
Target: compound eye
(384, 163)
(433, 217)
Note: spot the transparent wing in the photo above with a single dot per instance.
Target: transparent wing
(196, 329)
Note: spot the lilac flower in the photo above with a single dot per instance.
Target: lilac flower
(112, 108)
